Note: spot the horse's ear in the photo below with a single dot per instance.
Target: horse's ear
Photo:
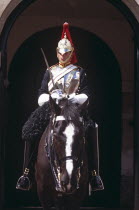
(83, 106)
(54, 107)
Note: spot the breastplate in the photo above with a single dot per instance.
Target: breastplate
(69, 82)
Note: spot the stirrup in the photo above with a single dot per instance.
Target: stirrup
(23, 182)
(96, 182)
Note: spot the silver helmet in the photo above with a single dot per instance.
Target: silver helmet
(64, 45)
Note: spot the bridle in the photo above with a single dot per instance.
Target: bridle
(54, 161)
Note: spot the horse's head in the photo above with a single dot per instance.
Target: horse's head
(68, 145)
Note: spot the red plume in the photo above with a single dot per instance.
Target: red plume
(68, 36)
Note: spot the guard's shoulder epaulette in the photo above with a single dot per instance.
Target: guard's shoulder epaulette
(54, 66)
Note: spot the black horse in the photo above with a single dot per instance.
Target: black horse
(61, 167)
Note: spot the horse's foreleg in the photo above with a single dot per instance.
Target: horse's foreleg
(71, 205)
(44, 198)
(45, 204)
(65, 204)
(59, 204)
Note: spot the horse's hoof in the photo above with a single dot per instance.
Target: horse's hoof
(23, 183)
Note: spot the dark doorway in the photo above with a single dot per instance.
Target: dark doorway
(25, 75)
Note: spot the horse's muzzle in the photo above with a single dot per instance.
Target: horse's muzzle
(67, 190)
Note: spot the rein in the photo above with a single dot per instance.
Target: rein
(49, 151)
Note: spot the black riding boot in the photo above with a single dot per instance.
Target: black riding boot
(24, 182)
(31, 134)
(93, 158)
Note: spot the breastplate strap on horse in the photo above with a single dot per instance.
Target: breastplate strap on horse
(67, 79)
(49, 151)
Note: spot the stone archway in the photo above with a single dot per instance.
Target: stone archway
(7, 7)
(126, 1)
(26, 71)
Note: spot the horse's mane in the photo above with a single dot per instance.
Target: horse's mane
(70, 111)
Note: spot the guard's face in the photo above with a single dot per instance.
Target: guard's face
(63, 57)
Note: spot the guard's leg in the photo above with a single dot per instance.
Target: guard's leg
(93, 158)
(31, 134)
(30, 151)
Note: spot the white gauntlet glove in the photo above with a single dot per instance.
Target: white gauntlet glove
(55, 96)
(79, 99)
(43, 98)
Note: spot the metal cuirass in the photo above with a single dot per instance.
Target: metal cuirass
(68, 82)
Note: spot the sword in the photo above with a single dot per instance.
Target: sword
(48, 67)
